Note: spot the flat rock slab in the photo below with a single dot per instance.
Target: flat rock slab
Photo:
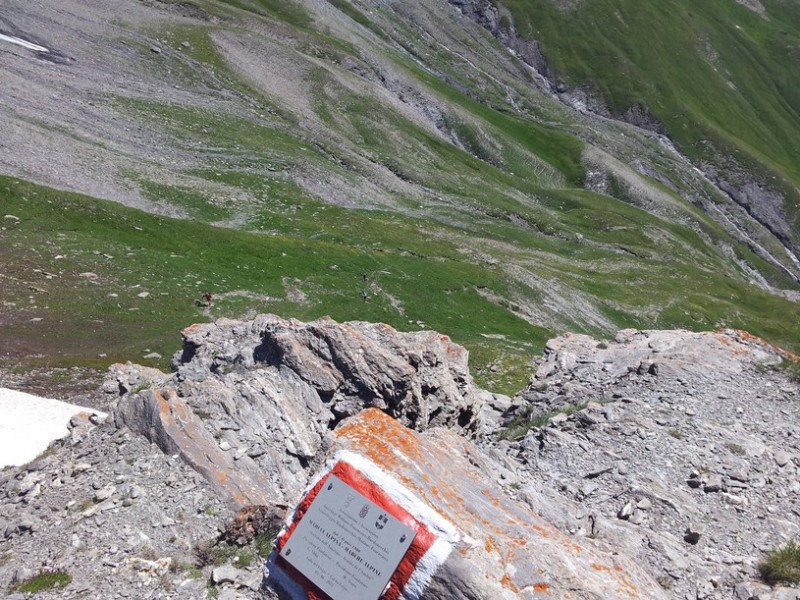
(165, 419)
(31, 423)
(500, 548)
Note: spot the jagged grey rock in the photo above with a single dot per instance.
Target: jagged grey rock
(702, 442)
(264, 394)
(271, 390)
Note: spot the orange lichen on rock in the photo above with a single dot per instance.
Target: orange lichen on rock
(182, 431)
(508, 583)
(190, 329)
(380, 437)
(746, 336)
(503, 541)
(541, 588)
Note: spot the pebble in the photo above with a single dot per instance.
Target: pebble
(782, 458)
(713, 484)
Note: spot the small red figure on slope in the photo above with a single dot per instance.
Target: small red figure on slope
(208, 298)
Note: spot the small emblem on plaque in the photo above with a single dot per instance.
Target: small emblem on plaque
(330, 486)
(364, 511)
(403, 539)
(288, 552)
(381, 522)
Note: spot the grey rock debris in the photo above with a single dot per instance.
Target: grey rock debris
(176, 487)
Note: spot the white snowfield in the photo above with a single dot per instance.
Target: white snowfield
(28, 424)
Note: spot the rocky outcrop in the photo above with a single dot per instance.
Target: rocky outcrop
(503, 548)
(660, 456)
(498, 21)
(165, 419)
(679, 448)
(258, 397)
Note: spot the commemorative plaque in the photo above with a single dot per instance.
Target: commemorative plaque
(347, 545)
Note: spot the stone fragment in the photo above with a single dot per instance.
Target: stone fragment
(782, 458)
(80, 468)
(747, 590)
(713, 484)
(29, 482)
(105, 493)
(594, 473)
(225, 574)
(626, 511)
(693, 533)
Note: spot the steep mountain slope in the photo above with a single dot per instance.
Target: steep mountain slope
(381, 161)
(720, 78)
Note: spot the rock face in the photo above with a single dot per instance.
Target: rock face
(264, 394)
(497, 20)
(503, 548)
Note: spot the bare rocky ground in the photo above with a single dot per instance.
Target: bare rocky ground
(684, 455)
(678, 450)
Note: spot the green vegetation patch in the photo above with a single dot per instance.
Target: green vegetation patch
(42, 581)
(781, 565)
(519, 427)
(121, 283)
(287, 11)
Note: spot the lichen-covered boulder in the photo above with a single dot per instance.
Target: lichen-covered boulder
(497, 548)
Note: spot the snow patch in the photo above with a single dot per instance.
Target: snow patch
(30, 423)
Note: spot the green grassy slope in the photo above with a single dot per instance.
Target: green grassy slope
(722, 80)
(83, 277)
(472, 217)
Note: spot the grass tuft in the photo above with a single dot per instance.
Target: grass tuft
(44, 580)
(523, 423)
(781, 565)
